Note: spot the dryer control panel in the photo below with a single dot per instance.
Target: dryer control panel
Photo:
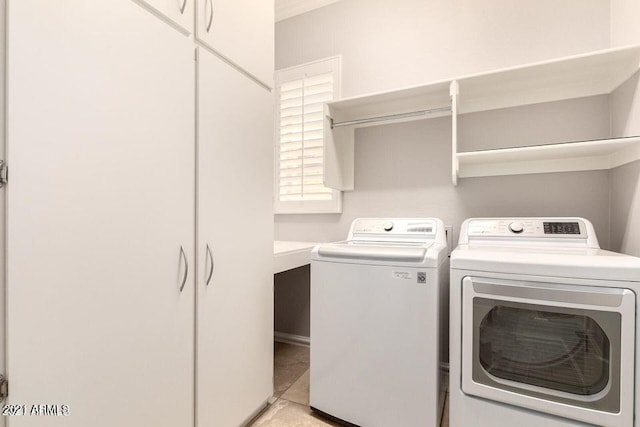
(556, 228)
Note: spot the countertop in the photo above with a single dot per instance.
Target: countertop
(288, 255)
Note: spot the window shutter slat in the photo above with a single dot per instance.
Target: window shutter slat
(318, 79)
(301, 139)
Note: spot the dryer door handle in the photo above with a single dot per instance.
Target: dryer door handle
(583, 295)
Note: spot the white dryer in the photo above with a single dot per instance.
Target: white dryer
(379, 305)
(543, 326)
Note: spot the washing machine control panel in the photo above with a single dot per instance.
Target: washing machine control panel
(396, 226)
(516, 227)
(527, 227)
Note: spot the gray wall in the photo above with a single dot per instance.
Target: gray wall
(291, 301)
(624, 22)
(403, 169)
(625, 209)
(388, 44)
(625, 180)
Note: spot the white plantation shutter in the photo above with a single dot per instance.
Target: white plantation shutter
(301, 94)
(301, 140)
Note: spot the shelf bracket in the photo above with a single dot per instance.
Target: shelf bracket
(339, 154)
(454, 92)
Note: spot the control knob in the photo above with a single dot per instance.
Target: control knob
(388, 226)
(516, 227)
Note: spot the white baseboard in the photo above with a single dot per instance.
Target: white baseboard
(257, 413)
(292, 339)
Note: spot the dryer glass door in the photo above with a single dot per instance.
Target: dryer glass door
(560, 343)
(559, 349)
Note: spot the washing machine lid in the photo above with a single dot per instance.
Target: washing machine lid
(389, 241)
(580, 263)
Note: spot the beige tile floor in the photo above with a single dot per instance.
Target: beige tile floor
(291, 384)
(290, 362)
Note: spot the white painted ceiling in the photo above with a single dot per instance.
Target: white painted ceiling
(288, 8)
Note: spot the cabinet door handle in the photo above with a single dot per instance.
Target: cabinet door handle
(183, 6)
(212, 265)
(183, 256)
(210, 18)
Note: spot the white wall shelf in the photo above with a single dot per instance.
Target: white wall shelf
(375, 109)
(595, 73)
(565, 157)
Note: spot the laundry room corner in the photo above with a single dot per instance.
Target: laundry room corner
(625, 180)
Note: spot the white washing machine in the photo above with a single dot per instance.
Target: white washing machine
(543, 326)
(379, 302)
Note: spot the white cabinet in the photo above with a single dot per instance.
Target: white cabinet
(235, 245)
(104, 291)
(180, 12)
(101, 199)
(241, 31)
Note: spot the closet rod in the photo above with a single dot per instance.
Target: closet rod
(389, 117)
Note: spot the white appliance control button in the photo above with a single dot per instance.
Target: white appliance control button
(516, 227)
(388, 226)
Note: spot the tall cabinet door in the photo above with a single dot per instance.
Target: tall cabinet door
(101, 199)
(240, 30)
(235, 239)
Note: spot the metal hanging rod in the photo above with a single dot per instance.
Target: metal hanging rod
(389, 117)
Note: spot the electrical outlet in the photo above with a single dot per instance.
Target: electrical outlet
(448, 229)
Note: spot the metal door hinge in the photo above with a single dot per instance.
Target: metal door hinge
(4, 173)
(4, 388)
